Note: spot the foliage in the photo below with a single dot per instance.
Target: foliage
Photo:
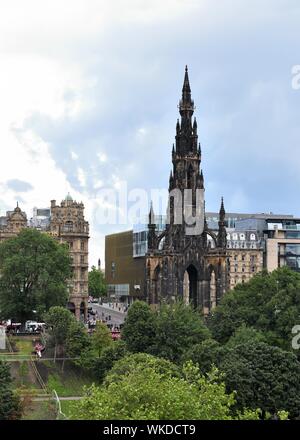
(78, 344)
(108, 356)
(167, 333)
(264, 377)
(10, 407)
(34, 273)
(245, 334)
(179, 327)
(139, 331)
(59, 321)
(139, 361)
(206, 354)
(269, 302)
(144, 393)
(101, 338)
(97, 284)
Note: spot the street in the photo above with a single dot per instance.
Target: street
(116, 317)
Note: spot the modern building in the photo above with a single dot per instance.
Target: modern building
(124, 270)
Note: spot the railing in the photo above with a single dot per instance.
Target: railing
(60, 415)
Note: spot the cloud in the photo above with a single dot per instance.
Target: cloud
(89, 99)
(19, 185)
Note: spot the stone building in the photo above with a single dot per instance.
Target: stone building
(245, 256)
(68, 225)
(181, 261)
(12, 223)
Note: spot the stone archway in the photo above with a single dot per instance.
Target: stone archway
(157, 284)
(83, 311)
(71, 307)
(213, 290)
(190, 283)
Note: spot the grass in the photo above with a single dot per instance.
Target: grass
(67, 407)
(23, 346)
(39, 411)
(68, 384)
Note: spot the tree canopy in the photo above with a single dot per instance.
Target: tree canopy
(269, 302)
(35, 270)
(147, 392)
(263, 377)
(10, 407)
(97, 284)
(167, 332)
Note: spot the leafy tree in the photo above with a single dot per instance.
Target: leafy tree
(101, 338)
(10, 407)
(34, 271)
(139, 361)
(78, 344)
(139, 330)
(145, 394)
(109, 355)
(269, 302)
(245, 334)
(206, 354)
(59, 321)
(179, 327)
(97, 284)
(264, 377)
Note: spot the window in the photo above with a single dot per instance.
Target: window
(234, 236)
(242, 236)
(68, 227)
(252, 236)
(82, 259)
(82, 245)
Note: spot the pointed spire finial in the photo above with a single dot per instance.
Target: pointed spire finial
(222, 210)
(151, 214)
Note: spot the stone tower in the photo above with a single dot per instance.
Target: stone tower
(186, 261)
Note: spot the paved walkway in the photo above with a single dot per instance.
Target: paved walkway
(45, 398)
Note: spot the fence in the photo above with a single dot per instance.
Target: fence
(60, 415)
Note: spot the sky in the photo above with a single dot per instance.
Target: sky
(89, 93)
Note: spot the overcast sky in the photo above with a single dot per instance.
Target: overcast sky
(89, 93)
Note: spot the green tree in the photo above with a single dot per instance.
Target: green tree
(101, 338)
(59, 321)
(78, 344)
(269, 302)
(206, 354)
(109, 355)
(10, 407)
(97, 284)
(139, 330)
(34, 271)
(264, 377)
(145, 393)
(245, 334)
(179, 327)
(139, 361)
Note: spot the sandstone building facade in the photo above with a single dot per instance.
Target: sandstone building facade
(66, 223)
